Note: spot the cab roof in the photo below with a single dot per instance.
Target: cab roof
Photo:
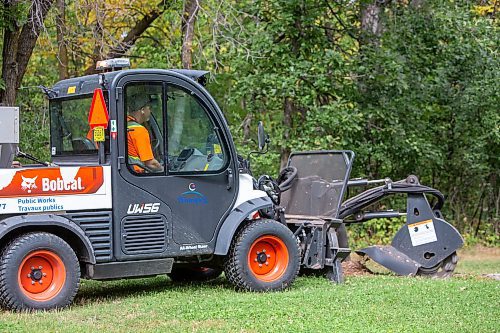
(84, 85)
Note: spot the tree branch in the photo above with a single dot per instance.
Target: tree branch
(131, 37)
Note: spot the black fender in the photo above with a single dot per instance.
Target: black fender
(48, 221)
(234, 219)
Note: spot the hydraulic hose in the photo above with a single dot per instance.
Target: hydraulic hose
(286, 177)
(364, 199)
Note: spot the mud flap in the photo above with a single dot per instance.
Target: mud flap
(425, 240)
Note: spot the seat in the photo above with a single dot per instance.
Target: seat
(82, 144)
(313, 202)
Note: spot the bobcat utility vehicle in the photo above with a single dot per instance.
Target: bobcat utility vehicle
(95, 213)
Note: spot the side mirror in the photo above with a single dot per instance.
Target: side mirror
(263, 139)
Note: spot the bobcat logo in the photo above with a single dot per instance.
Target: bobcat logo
(28, 183)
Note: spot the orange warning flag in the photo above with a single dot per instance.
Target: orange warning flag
(98, 115)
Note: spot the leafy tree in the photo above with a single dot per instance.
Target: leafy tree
(431, 99)
(21, 24)
(410, 86)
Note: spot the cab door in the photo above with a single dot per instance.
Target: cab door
(187, 200)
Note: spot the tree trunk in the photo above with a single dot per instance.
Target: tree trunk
(288, 111)
(289, 107)
(18, 44)
(62, 53)
(178, 110)
(246, 125)
(371, 30)
(9, 67)
(371, 25)
(191, 8)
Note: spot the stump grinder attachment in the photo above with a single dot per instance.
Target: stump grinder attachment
(425, 245)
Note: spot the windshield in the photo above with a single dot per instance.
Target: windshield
(70, 133)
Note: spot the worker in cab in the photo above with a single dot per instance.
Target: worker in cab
(140, 153)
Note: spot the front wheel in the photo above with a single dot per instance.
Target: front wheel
(38, 271)
(264, 256)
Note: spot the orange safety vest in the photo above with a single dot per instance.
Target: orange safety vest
(138, 142)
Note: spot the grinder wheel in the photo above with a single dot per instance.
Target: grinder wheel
(442, 270)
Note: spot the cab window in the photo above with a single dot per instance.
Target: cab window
(194, 145)
(70, 133)
(144, 122)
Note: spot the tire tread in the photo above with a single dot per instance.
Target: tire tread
(233, 267)
(7, 296)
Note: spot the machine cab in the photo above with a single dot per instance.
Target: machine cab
(169, 150)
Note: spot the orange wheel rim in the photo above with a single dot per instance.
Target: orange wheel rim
(268, 258)
(41, 275)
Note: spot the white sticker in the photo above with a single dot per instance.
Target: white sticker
(113, 125)
(422, 232)
(53, 150)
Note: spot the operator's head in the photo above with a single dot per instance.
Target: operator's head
(139, 106)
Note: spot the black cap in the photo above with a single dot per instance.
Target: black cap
(137, 101)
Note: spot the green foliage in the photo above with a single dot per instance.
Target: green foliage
(35, 120)
(430, 100)
(376, 231)
(422, 100)
(13, 14)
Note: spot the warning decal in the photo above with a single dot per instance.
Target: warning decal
(99, 134)
(422, 232)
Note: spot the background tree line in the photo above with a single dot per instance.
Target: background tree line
(412, 86)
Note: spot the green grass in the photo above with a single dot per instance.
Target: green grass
(479, 260)
(380, 303)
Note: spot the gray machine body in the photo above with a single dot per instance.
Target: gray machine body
(405, 258)
(9, 135)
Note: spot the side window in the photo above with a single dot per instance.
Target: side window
(70, 133)
(144, 115)
(193, 142)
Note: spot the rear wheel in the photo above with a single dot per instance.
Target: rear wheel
(444, 269)
(263, 256)
(187, 274)
(38, 271)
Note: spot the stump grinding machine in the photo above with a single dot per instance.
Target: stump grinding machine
(425, 245)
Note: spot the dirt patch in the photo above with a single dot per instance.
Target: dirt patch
(354, 268)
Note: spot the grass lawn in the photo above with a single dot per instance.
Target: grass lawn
(468, 302)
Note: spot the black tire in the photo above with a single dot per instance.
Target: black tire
(20, 254)
(188, 274)
(283, 268)
(442, 270)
